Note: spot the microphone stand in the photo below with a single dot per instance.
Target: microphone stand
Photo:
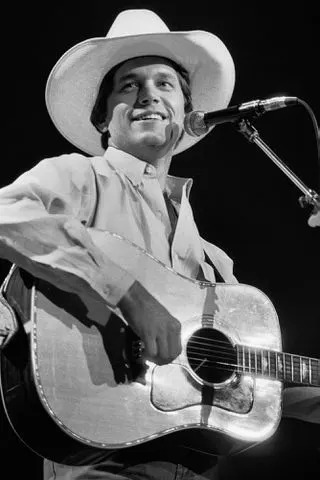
(311, 197)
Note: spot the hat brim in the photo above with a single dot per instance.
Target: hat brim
(74, 81)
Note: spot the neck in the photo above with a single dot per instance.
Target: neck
(161, 162)
(162, 166)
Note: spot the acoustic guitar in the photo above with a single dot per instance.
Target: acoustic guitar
(73, 375)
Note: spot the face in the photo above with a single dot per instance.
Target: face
(146, 108)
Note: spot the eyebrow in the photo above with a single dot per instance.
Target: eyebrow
(128, 76)
(134, 76)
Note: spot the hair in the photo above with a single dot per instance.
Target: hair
(99, 111)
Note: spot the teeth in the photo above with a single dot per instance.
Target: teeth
(151, 116)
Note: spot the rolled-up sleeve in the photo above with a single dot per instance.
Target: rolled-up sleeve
(42, 229)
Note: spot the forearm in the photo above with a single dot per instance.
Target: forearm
(59, 249)
(42, 217)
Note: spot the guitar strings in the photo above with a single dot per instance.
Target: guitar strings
(208, 339)
(211, 342)
(203, 346)
(240, 369)
(227, 352)
(288, 358)
(218, 355)
(226, 348)
(276, 375)
(212, 356)
(208, 364)
(230, 367)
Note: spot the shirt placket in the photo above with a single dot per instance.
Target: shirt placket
(153, 195)
(186, 250)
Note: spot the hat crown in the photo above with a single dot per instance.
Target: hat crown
(136, 22)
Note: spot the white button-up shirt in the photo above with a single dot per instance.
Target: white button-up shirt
(45, 213)
(44, 217)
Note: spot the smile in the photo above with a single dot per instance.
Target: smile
(149, 116)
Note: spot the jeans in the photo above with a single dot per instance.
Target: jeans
(177, 464)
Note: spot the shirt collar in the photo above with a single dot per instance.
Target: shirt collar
(135, 170)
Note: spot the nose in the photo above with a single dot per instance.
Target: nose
(148, 95)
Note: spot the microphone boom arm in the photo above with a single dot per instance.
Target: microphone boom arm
(311, 197)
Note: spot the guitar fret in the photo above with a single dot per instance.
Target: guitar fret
(315, 372)
(299, 369)
(306, 370)
(281, 366)
(243, 360)
(273, 364)
(259, 363)
(262, 362)
(295, 369)
(255, 361)
(284, 366)
(247, 356)
(265, 364)
(248, 359)
(253, 357)
(239, 357)
(287, 367)
(310, 371)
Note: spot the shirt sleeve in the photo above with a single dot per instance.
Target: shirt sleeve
(302, 403)
(42, 229)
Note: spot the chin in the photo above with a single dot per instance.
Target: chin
(151, 139)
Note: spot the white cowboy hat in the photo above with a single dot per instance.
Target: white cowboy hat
(74, 81)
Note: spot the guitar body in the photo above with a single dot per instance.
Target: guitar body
(78, 380)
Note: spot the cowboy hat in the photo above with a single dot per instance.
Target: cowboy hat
(74, 81)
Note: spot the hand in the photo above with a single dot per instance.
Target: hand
(314, 219)
(158, 330)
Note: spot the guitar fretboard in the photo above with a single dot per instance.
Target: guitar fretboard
(278, 365)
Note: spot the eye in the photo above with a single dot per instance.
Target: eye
(128, 86)
(166, 84)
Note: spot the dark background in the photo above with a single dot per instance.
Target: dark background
(242, 202)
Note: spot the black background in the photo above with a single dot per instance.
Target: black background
(242, 202)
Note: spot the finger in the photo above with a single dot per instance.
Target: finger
(150, 349)
(163, 350)
(174, 340)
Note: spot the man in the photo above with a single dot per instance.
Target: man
(136, 86)
(138, 90)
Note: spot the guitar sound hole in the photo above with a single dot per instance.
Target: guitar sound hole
(211, 355)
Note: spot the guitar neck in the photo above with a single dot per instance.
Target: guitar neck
(281, 366)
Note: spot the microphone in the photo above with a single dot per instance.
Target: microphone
(197, 123)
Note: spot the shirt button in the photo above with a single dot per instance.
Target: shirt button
(149, 170)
